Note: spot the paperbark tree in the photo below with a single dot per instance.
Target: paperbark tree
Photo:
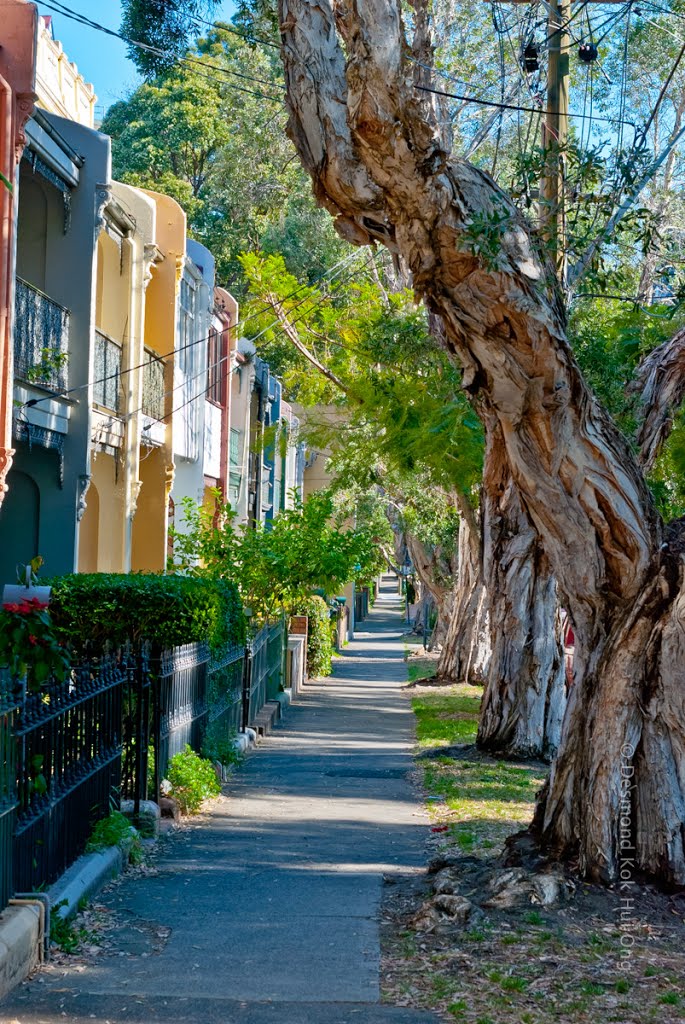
(660, 382)
(365, 133)
(466, 648)
(525, 692)
(433, 568)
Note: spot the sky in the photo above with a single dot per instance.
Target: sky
(101, 59)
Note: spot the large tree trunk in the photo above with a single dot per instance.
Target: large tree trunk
(525, 694)
(366, 134)
(465, 651)
(660, 383)
(432, 568)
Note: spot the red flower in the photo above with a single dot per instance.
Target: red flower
(24, 608)
(11, 607)
(33, 640)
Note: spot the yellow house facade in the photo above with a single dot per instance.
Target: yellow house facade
(124, 524)
(156, 473)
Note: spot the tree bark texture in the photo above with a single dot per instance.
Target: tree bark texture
(435, 570)
(525, 694)
(366, 134)
(660, 383)
(465, 650)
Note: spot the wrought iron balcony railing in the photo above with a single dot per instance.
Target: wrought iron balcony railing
(107, 389)
(41, 338)
(153, 386)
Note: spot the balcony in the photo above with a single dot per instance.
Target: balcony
(41, 338)
(106, 388)
(153, 386)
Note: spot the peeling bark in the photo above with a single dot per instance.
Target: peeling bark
(431, 567)
(465, 650)
(367, 138)
(661, 385)
(525, 694)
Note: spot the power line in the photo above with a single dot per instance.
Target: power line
(223, 26)
(331, 273)
(513, 106)
(81, 19)
(206, 369)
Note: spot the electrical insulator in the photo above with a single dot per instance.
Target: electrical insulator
(530, 58)
(587, 52)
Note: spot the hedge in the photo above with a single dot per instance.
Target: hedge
(89, 610)
(319, 644)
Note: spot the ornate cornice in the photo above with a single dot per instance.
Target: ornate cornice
(103, 195)
(169, 473)
(6, 457)
(26, 102)
(81, 505)
(133, 500)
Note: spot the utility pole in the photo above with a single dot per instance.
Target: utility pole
(555, 136)
(555, 129)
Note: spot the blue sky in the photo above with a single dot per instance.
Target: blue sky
(101, 59)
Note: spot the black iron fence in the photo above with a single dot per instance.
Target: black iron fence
(70, 753)
(224, 696)
(107, 386)
(153, 386)
(180, 708)
(68, 771)
(264, 669)
(8, 786)
(138, 703)
(41, 338)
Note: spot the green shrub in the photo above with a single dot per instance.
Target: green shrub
(193, 779)
(89, 610)
(319, 643)
(116, 830)
(220, 746)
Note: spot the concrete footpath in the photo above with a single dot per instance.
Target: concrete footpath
(268, 911)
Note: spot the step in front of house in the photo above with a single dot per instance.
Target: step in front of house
(267, 718)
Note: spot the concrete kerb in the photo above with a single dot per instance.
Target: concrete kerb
(24, 922)
(86, 877)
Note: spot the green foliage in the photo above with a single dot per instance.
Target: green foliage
(165, 26)
(193, 780)
(62, 933)
(215, 141)
(403, 407)
(482, 237)
(220, 746)
(319, 643)
(667, 479)
(30, 645)
(276, 565)
(90, 610)
(116, 830)
(51, 363)
(610, 340)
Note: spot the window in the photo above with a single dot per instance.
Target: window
(234, 450)
(217, 367)
(107, 372)
(187, 321)
(153, 386)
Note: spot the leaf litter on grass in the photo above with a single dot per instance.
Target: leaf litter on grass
(560, 964)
